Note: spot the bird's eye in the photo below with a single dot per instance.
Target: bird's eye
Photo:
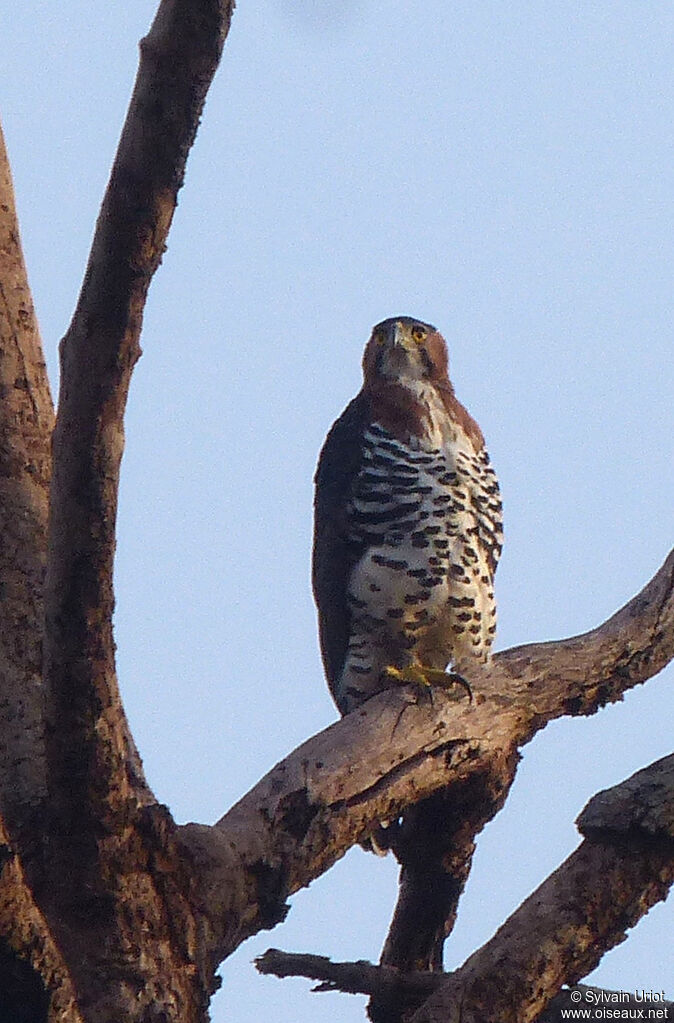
(418, 334)
(379, 338)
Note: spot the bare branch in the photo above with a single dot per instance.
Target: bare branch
(645, 801)
(352, 978)
(436, 842)
(557, 935)
(26, 420)
(561, 931)
(435, 845)
(178, 59)
(374, 763)
(95, 883)
(411, 989)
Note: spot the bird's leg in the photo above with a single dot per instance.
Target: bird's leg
(425, 678)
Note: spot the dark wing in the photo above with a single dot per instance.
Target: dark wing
(333, 555)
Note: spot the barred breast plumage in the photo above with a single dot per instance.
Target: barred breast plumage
(408, 522)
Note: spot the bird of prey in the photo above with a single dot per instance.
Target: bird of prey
(408, 527)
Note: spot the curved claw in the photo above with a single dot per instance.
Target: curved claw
(458, 680)
(425, 678)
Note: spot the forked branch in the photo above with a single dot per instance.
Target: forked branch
(92, 761)
(387, 756)
(96, 881)
(560, 933)
(624, 866)
(410, 989)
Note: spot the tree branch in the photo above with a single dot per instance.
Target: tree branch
(624, 866)
(559, 934)
(91, 756)
(26, 420)
(352, 978)
(388, 755)
(411, 989)
(435, 844)
(98, 884)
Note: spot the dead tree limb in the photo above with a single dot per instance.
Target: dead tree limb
(26, 420)
(179, 57)
(559, 934)
(411, 989)
(374, 763)
(85, 843)
(435, 843)
(352, 978)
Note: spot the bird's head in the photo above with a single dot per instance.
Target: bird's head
(402, 350)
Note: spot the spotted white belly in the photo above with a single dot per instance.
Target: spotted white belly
(421, 591)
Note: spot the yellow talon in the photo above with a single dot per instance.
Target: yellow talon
(425, 678)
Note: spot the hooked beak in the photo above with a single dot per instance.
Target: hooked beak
(398, 339)
(399, 356)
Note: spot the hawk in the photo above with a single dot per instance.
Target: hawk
(408, 528)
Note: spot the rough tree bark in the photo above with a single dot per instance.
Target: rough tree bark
(80, 887)
(26, 420)
(108, 910)
(623, 867)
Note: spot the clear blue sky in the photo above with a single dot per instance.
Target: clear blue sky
(501, 170)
